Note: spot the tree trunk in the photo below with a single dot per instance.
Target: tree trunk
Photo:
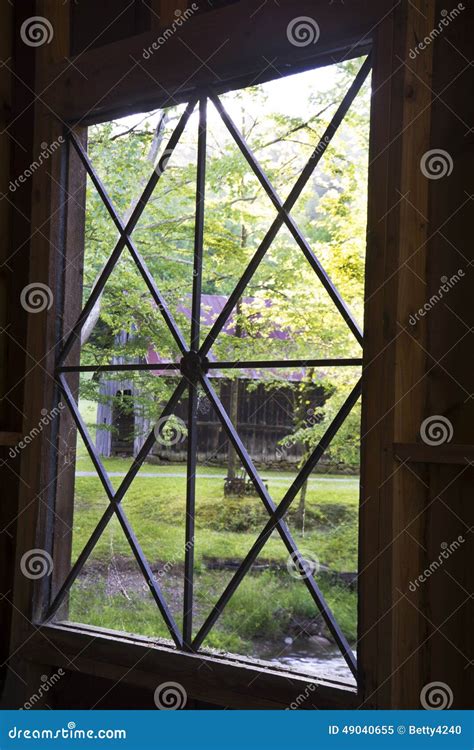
(234, 384)
(302, 417)
(233, 414)
(301, 511)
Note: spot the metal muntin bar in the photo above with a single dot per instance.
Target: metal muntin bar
(281, 526)
(277, 516)
(124, 235)
(237, 443)
(95, 458)
(79, 564)
(191, 465)
(122, 518)
(290, 222)
(77, 567)
(288, 205)
(339, 115)
(149, 442)
(171, 366)
(188, 596)
(158, 297)
(244, 365)
(285, 363)
(138, 260)
(114, 507)
(147, 572)
(199, 226)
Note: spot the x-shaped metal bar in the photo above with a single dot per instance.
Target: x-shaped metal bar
(117, 496)
(188, 599)
(114, 507)
(276, 521)
(284, 211)
(125, 239)
(276, 513)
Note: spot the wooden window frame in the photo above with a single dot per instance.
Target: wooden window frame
(66, 96)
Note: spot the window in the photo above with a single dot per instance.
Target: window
(215, 388)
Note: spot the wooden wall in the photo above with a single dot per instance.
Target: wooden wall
(16, 125)
(416, 495)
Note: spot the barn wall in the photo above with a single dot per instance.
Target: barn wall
(16, 125)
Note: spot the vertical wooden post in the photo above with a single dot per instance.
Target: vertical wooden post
(5, 151)
(394, 497)
(59, 16)
(43, 255)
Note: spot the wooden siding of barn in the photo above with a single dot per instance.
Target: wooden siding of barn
(265, 417)
(106, 433)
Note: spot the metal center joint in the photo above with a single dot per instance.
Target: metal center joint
(193, 365)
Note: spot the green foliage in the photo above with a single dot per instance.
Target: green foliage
(331, 214)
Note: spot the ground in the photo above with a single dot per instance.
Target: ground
(272, 607)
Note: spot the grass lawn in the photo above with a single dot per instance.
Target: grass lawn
(226, 527)
(269, 604)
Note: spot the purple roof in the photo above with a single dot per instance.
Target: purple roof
(211, 307)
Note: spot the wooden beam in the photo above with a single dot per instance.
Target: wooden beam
(10, 438)
(460, 455)
(44, 251)
(144, 72)
(230, 681)
(155, 14)
(58, 14)
(5, 209)
(394, 499)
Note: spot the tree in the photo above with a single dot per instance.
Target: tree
(284, 297)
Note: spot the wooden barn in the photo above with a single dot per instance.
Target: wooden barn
(266, 408)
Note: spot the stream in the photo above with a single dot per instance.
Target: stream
(311, 657)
